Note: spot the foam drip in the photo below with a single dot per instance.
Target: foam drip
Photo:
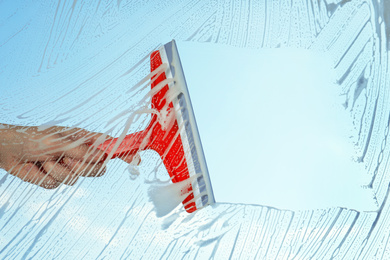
(167, 196)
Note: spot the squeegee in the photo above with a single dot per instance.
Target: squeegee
(172, 131)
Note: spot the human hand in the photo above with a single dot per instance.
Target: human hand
(50, 156)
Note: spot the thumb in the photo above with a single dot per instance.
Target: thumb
(133, 158)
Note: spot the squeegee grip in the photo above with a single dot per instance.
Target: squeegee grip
(129, 145)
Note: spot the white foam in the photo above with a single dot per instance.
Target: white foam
(133, 167)
(167, 196)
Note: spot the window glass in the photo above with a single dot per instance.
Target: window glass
(292, 104)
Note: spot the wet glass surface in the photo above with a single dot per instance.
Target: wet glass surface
(78, 64)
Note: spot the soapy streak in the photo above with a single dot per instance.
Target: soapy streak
(157, 72)
(172, 142)
(150, 93)
(164, 116)
(166, 119)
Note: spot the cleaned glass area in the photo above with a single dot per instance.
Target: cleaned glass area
(292, 104)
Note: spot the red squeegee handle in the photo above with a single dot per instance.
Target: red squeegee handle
(129, 145)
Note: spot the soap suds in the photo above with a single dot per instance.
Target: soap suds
(167, 196)
(133, 167)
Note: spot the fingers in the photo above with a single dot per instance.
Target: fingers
(60, 173)
(51, 174)
(85, 169)
(53, 155)
(29, 172)
(76, 134)
(87, 143)
(134, 158)
(85, 152)
(56, 140)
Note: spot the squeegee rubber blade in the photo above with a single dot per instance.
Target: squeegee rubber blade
(191, 131)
